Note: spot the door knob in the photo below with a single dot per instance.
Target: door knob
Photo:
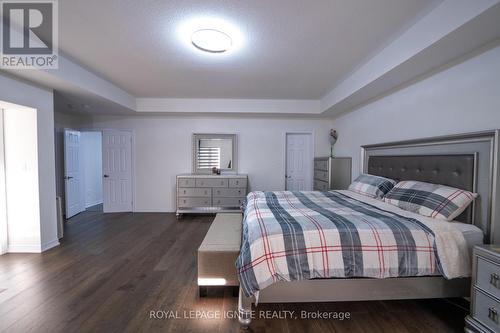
(68, 177)
(106, 176)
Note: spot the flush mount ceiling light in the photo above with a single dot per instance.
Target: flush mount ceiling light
(211, 40)
(217, 37)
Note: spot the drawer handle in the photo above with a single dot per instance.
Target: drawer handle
(493, 314)
(494, 279)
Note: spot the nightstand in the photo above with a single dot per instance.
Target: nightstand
(485, 294)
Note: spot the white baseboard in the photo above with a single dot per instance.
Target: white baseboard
(24, 248)
(93, 204)
(31, 248)
(50, 245)
(153, 210)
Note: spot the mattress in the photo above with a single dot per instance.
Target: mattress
(472, 234)
(290, 236)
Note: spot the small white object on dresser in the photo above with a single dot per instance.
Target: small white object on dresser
(332, 173)
(210, 194)
(485, 293)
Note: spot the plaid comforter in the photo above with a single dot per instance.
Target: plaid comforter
(304, 235)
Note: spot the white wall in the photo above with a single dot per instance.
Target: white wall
(463, 98)
(92, 167)
(21, 93)
(21, 174)
(163, 149)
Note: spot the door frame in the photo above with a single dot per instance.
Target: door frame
(132, 155)
(312, 145)
(4, 231)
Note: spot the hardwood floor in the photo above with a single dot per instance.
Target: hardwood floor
(112, 270)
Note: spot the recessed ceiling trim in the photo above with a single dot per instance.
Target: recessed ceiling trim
(452, 18)
(449, 16)
(224, 105)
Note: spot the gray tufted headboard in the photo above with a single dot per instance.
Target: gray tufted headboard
(452, 170)
(457, 160)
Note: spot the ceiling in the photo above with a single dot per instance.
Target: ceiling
(290, 49)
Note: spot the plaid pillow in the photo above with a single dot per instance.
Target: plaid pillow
(372, 186)
(432, 200)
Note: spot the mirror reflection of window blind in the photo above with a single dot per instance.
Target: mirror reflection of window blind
(208, 157)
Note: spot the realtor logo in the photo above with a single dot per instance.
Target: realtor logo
(29, 34)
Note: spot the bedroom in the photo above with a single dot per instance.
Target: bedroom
(417, 81)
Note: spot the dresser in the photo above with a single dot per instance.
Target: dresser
(210, 194)
(332, 173)
(485, 293)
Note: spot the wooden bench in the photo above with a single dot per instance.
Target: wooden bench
(218, 252)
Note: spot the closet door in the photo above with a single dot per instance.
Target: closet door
(117, 171)
(299, 162)
(73, 173)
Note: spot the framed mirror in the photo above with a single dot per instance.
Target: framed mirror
(214, 150)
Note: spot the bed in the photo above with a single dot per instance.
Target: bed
(341, 246)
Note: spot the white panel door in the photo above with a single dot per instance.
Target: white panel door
(117, 171)
(299, 161)
(72, 173)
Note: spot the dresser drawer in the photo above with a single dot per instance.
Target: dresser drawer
(238, 182)
(486, 310)
(229, 192)
(227, 202)
(186, 182)
(211, 182)
(194, 202)
(320, 185)
(488, 276)
(321, 165)
(195, 192)
(321, 175)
